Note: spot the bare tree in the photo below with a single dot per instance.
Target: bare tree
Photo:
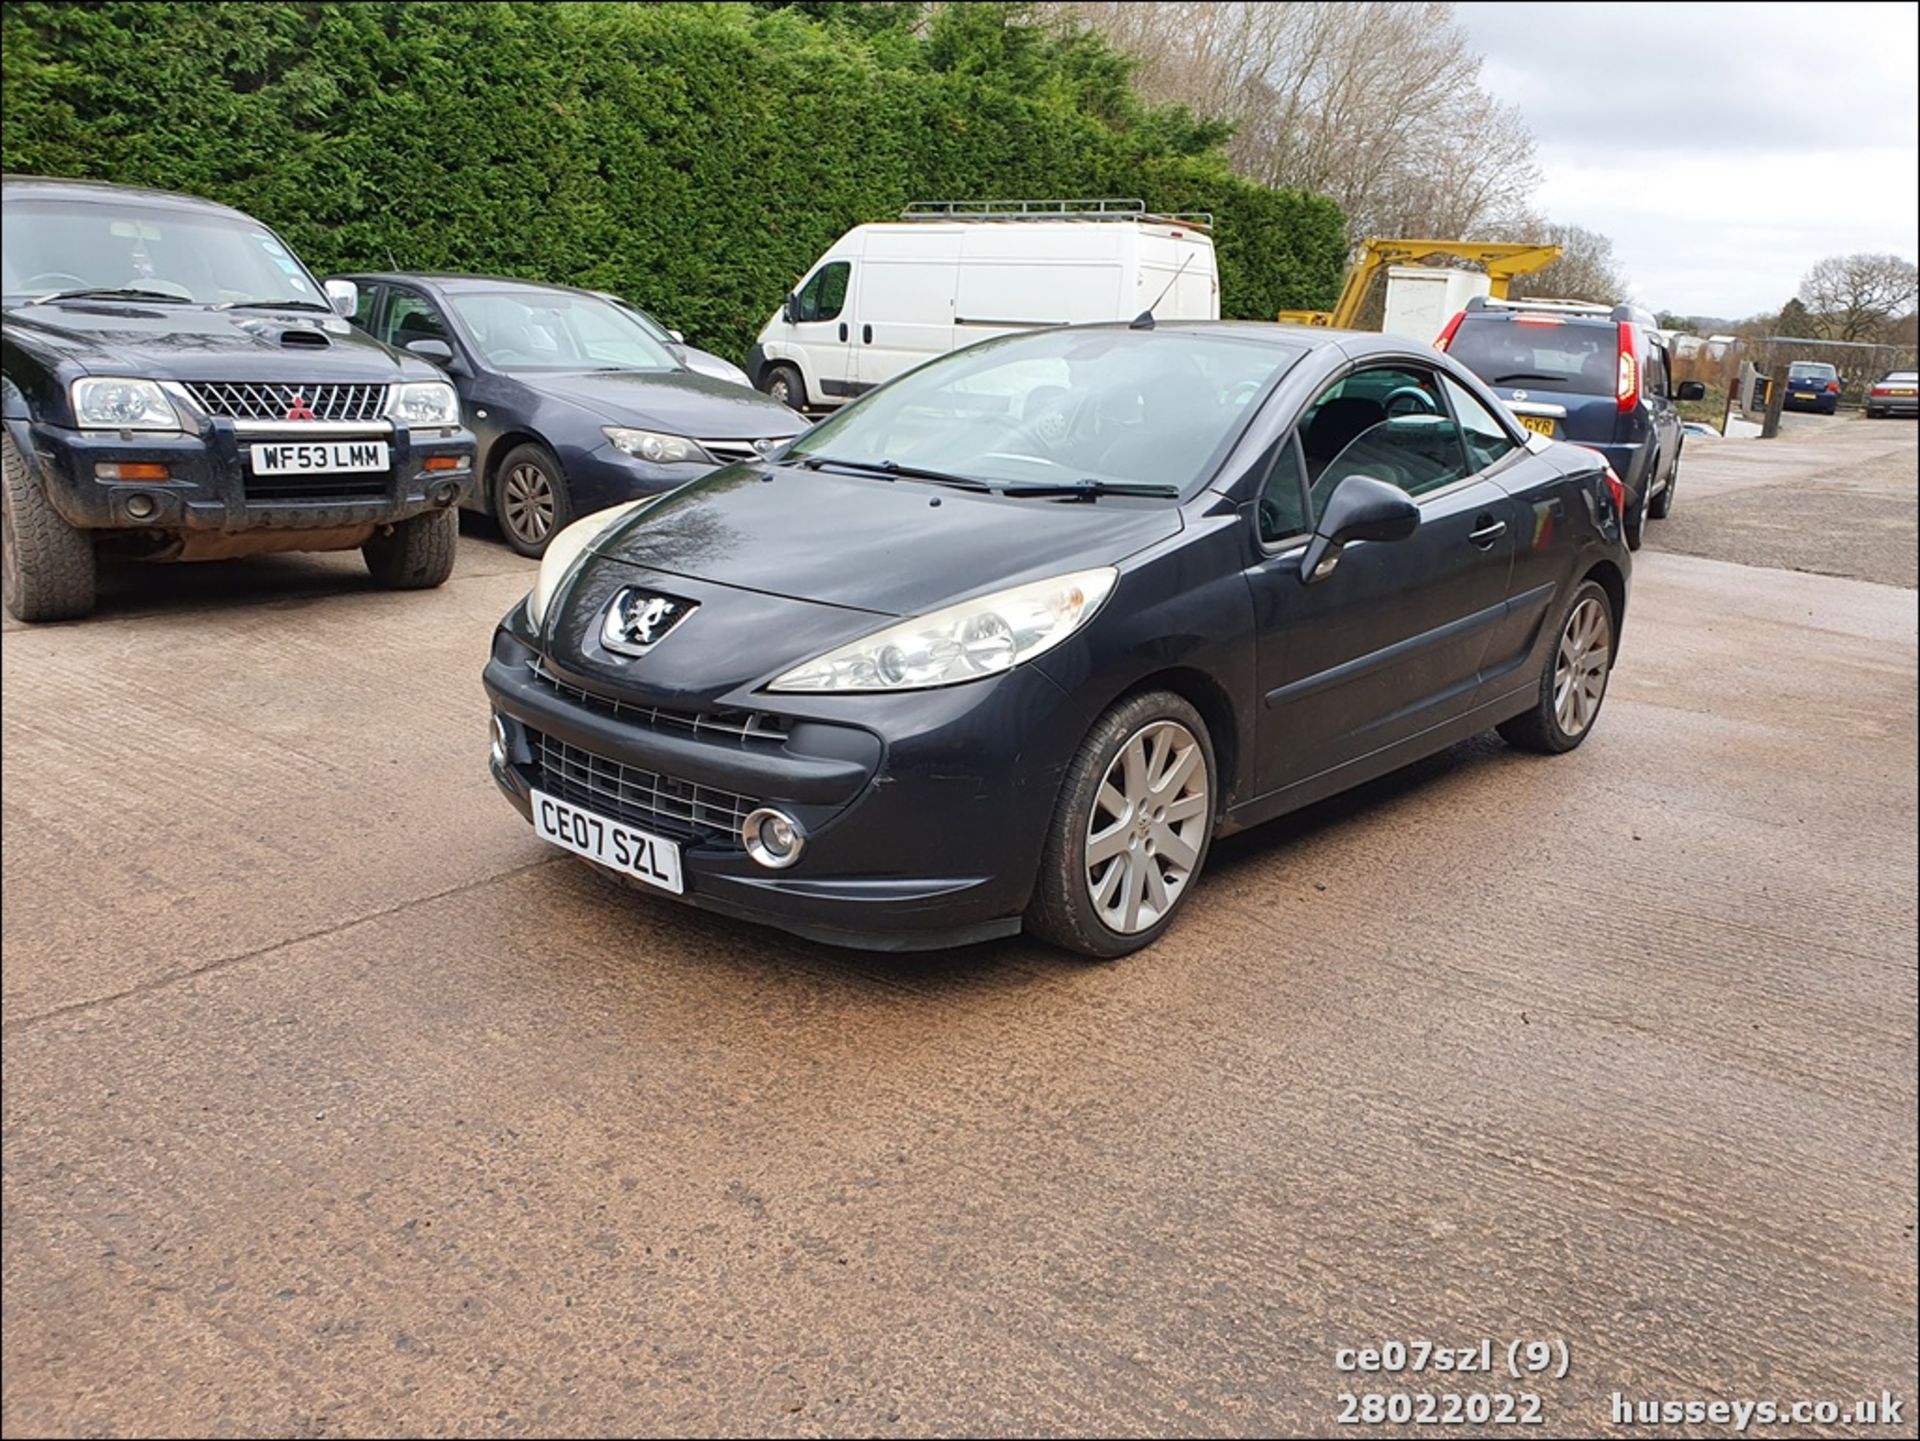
(1376, 105)
(1859, 297)
(1586, 269)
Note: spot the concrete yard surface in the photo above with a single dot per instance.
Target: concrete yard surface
(336, 1103)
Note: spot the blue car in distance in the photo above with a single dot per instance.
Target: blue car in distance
(1813, 385)
(1597, 375)
(574, 404)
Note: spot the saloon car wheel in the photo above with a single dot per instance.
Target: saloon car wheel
(1131, 831)
(530, 499)
(46, 566)
(1573, 684)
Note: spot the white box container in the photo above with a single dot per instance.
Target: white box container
(1422, 299)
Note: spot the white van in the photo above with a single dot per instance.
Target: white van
(888, 296)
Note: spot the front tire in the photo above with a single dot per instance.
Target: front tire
(1131, 831)
(416, 554)
(1573, 683)
(785, 385)
(530, 499)
(47, 569)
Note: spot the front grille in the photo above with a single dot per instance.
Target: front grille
(680, 808)
(742, 725)
(320, 489)
(728, 451)
(252, 400)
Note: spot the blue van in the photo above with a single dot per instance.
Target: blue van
(1596, 375)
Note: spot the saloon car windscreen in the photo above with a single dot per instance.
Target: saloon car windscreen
(56, 246)
(1060, 407)
(555, 330)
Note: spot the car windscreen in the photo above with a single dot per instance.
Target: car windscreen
(114, 244)
(1581, 357)
(557, 330)
(1062, 406)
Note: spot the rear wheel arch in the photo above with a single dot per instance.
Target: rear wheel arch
(1608, 577)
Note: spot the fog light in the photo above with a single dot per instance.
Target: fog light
(141, 507)
(498, 751)
(773, 838)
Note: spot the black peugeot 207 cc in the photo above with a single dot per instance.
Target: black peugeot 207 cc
(1011, 639)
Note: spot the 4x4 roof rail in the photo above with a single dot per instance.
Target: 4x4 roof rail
(1633, 313)
(1103, 208)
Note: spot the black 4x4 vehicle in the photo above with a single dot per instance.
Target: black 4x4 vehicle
(1597, 375)
(178, 386)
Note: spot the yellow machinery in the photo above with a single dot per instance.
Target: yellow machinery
(1503, 262)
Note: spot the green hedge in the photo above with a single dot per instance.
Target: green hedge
(694, 157)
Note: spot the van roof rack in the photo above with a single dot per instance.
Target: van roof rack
(1105, 208)
(1564, 307)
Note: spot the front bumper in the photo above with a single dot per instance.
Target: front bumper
(210, 479)
(924, 812)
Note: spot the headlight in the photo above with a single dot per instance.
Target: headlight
(566, 548)
(653, 446)
(963, 642)
(424, 402)
(102, 402)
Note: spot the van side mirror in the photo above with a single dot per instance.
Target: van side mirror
(1360, 508)
(790, 308)
(1691, 390)
(343, 296)
(678, 338)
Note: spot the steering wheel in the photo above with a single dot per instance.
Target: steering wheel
(33, 281)
(1420, 402)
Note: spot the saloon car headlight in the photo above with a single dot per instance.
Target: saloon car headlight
(105, 402)
(566, 548)
(961, 643)
(651, 445)
(424, 402)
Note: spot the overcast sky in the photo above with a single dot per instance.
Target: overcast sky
(1723, 148)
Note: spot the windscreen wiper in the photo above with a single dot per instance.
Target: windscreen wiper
(111, 292)
(292, 304)
(1093, 489)
(1523, 375)
(894, 470)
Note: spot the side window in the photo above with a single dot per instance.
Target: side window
(1283, 500)
(823, 296)
(1656, 371)
(412, 317)
(1390, 423)
(1487, 440)
(365, 306)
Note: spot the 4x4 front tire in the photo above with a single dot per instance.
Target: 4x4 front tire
(47, 566)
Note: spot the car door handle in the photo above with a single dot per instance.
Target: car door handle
(843, 330)
(1486, 531)
(866, 335)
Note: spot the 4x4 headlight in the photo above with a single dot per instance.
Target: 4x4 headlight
(106, 402)
(653, 446)
(566, 548)
(961, 643)
(424, 402)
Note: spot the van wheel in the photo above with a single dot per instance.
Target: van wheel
(47, 565)
(530, 499)
(416, 554)
(1131, 830)
(784, 384)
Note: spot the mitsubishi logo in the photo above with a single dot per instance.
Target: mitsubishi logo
(299, 409)
(637, 620)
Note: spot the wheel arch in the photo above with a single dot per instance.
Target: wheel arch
(1206, 695)
(503, 446)
(1609, 578)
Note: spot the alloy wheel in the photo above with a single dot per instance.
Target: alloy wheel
(1148, 827)
(527, 503)
(1580, 674)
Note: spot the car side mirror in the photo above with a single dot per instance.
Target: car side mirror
(1691, 390)
(343, 296)
(1360, 508)
(790, 309)
(678, 338)
(438, 351)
